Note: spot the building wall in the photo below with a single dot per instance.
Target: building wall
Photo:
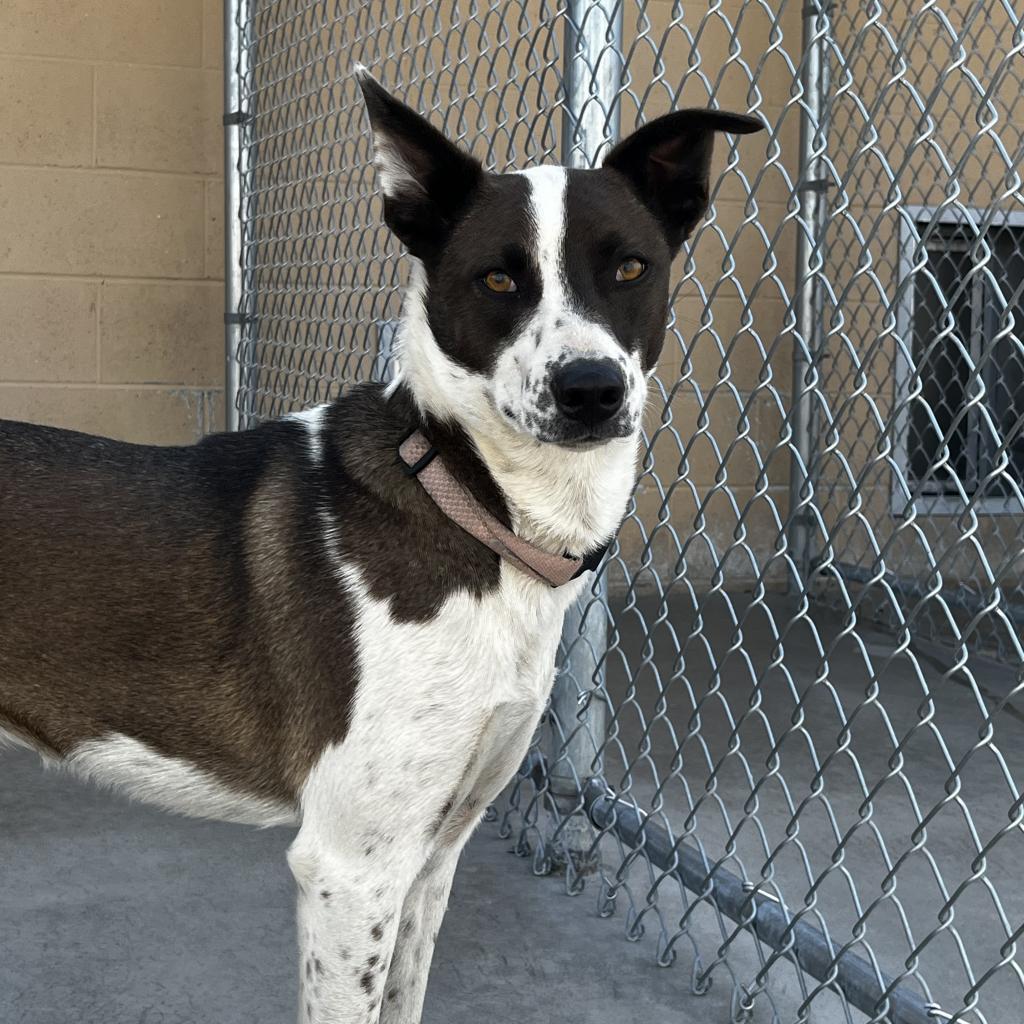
(111, 276)
(963, 150)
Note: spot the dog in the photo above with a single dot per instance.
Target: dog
(347, 619)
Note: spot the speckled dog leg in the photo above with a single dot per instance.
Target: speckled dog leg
(422, 913)
(348, 913)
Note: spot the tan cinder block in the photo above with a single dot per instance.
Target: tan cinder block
(722, 337)
(851, 429)
(860, 522)
(707, 527)
(970, 81)
(142, 415)
(694, 56)
(162, 333)
(213, 33)
(164, 119)
(746, 253)
(861, 354)
(147, 31)
(100, 222)
(731, 440)
(48, 330)
(214, 422)
(213, 258)
(47, 112)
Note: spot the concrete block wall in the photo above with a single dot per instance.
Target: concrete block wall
(111, 266)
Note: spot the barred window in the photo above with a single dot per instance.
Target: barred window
(965, 389)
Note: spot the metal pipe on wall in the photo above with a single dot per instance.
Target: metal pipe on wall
(235, 56)
(812, 187)
(592, 78)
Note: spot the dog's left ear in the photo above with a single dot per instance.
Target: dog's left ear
(668, 162)
(426, 179)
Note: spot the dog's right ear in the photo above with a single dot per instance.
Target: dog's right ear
(426, 179)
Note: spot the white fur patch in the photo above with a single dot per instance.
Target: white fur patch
(442, 716)
(558, 332)
(547, 200)
(426, 695)
(170, 782)
(313, 421)
(393, 173)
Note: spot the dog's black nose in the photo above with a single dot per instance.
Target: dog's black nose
(588, 391)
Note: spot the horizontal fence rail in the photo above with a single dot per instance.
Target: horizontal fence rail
(786, 742)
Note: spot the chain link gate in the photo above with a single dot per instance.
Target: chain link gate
(786, 734)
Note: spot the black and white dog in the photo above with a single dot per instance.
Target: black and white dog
(287, 625)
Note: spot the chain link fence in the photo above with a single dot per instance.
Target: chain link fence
(785, 747)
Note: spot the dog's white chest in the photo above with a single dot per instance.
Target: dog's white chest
(444, 710)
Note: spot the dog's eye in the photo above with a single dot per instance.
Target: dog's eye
(499, 281)
(630, 270)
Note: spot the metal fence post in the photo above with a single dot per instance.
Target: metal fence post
(235, 57)
(592, 80)
(580, 712)
(812, 186)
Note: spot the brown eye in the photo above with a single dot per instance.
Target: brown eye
(630, 270)
(499, 281)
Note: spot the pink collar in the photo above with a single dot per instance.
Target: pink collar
(424, 463)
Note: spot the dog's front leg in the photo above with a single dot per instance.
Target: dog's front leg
(422, 913)
(349, 906)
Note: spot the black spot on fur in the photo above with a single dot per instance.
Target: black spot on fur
(377, 933)
(369, 850)
(324, 894)
(317, 965)
(446, 809)
(367, 981)
(373, 961)
(392, 994)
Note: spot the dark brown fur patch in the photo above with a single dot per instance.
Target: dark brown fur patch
(199, 609)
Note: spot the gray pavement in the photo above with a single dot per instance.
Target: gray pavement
(112, 913)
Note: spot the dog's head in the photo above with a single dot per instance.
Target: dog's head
(542, 295)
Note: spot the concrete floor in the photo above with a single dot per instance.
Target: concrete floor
(768, 761)
(112, 913)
